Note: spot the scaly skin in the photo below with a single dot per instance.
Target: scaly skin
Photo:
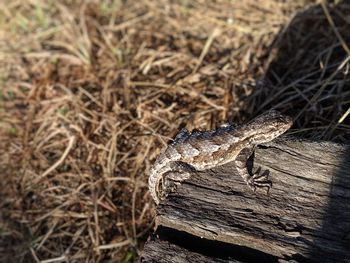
(201, 150)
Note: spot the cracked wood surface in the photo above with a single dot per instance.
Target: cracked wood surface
(306, 215)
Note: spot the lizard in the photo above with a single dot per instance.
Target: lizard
(201, 150)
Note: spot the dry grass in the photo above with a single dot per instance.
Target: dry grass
(91, 91)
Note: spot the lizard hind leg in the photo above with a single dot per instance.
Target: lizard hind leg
(179, 172)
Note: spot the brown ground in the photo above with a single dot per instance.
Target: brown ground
(91, 92)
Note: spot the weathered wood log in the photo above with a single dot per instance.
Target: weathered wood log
(164, 251)
(305, 217)
(170, 245)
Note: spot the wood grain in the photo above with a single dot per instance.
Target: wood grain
(306, 215)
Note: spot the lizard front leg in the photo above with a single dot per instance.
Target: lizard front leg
(254, 180)
(179, 172)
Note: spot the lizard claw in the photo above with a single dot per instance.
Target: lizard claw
(260, 180)
(168, 186)
(172, 179)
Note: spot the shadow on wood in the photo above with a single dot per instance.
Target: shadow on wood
(333, 236)
(188, 248)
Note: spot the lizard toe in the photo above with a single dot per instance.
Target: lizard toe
(259, 183)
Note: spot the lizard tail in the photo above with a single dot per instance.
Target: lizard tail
(153, 183)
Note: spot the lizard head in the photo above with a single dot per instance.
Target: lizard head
(268, 126)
